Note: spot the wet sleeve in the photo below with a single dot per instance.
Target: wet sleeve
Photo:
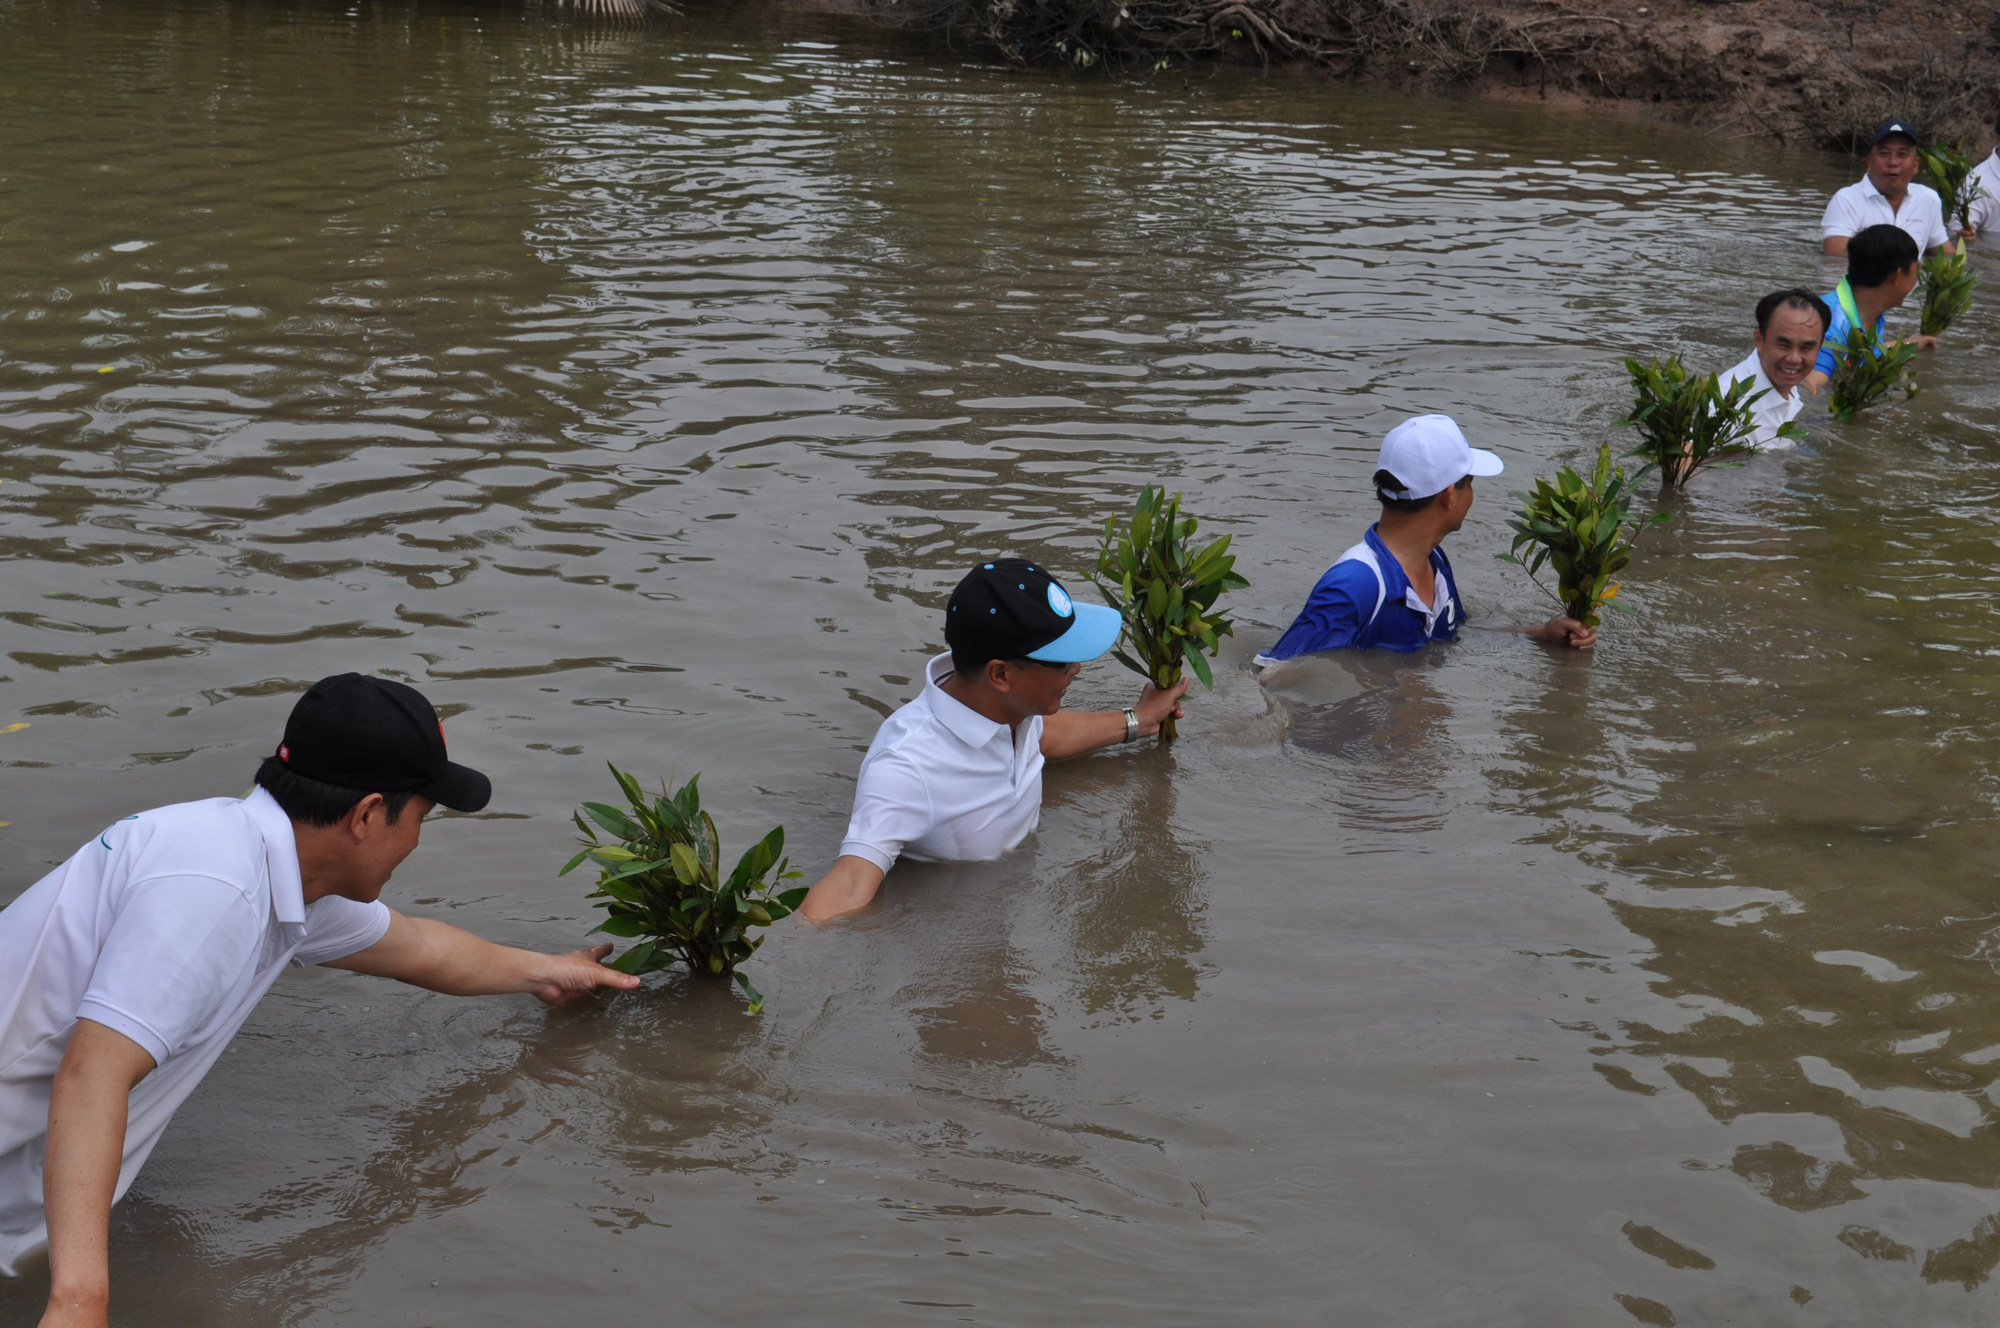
(1335, 614)
(177, 958)
(337, 928)
(1838, 219)
(892, 808)
(1836, 335)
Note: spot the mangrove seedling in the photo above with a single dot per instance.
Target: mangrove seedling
(1165, 589)
(1948, 286)
(1582, 528)
(1948, 168)
(659, 878)
(1686, 421)
(1865, 371)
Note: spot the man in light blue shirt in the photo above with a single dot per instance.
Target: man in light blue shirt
(1395, 589)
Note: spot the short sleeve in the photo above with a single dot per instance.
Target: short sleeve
(177, 956)
(892, 808)
(1836, 335)
(1335, 614)
(1838, 218)
(337, 928)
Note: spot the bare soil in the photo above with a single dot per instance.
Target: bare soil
(1809, 71)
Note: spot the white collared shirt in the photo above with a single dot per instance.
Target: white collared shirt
(1986, 207)
(1771, 411)
(1862, 205)
(168, 927)
(943, 783)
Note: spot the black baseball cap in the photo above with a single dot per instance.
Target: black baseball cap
(377, 736)
(1011, 609)
(1888, 127)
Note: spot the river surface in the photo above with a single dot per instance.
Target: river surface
(640, 391)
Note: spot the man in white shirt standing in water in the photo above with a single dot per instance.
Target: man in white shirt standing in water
(1790, 326)
(1885, 195)
(125, 972)
(956, 774)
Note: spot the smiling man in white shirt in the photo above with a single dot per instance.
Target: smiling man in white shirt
(1887, 196)
(125, 972)
(956, 774)
(1790, 326)
(1986, 203)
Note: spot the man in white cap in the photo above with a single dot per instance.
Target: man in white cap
(1887, 196)
(956, 774)
(1394, 590)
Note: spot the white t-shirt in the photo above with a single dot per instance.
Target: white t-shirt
(1986, 207)
(1861, 205)
(943, 783)
(168, 927)
(1772, 410)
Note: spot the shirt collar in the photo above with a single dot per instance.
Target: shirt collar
(966, 724)
(1396, 582)
(281, 855)
(1868, 190)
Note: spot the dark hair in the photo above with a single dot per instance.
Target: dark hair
(1795, 298)
(1384, 482)
(315, 803)
(1878, 253)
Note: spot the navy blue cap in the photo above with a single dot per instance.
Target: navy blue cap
(1888, 127)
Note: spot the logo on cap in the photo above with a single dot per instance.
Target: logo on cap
(1059, 601)
(284, 752)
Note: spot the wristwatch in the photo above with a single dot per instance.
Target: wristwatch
(1131, 724)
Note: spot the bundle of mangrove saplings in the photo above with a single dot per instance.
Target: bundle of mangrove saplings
(1865, 371)
(1947, 168)
(1686, 421)
(1583, 529)
(660, 880)
(1948, 287)
(1165, 589)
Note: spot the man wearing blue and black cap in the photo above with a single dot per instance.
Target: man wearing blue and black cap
(956, 775)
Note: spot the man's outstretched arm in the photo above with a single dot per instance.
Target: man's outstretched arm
(1069, 733)
(440, 957)
(86, 1147)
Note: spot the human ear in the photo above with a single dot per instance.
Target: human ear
(358, 821)
(999, 675)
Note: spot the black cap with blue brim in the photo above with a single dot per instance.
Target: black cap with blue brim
(1011, 609)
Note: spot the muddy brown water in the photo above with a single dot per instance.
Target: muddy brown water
(639, 391)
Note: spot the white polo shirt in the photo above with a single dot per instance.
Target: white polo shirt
(943, 783)
(1986, 207)
(168, 927)
(1861, 205)
(1773, 410)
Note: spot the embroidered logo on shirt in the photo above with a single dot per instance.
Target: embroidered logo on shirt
(1059, 601)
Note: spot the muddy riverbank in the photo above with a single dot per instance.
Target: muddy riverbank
(1800, 71)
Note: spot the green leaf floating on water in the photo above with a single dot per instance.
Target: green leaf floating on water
(1165, 589)
(658, 883)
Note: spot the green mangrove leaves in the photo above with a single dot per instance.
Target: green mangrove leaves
(1948, 287)
(660, 882)
(1584, 529)
(1865, 371)
(1165, 589)
(1687, 421)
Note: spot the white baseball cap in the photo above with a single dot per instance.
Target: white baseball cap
(1429, 454)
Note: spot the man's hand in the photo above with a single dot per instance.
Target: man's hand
(1922, 342)
(440, 957)
(847, 888)
(1155, 705)
(564, 977)
(86, 1148)
(1562, 630)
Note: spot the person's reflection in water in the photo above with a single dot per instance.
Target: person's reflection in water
(635, 1078)
(1135, 909)
(968, 989)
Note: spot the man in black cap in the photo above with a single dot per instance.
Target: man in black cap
(125, 972)
(1887, 196)
(956, 775)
